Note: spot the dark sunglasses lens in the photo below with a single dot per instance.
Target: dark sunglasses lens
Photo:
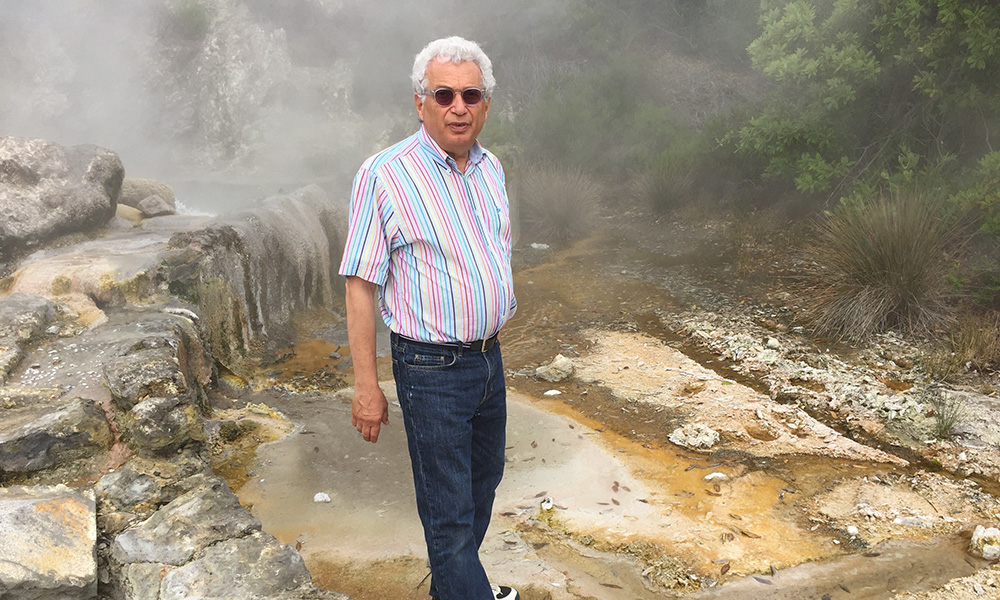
(472, 96)
(444, 96)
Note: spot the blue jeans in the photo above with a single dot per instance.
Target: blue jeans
(455, 413)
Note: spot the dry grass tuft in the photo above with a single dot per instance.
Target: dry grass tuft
(881, 266)
(558, 205)
(664, 187)
(975, 341)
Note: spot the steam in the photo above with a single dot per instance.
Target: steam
(231, 100)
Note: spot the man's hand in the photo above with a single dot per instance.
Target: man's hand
(369, 412)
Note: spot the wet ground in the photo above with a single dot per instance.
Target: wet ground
(790, 508)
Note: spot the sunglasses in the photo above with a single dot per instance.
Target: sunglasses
(445, 96)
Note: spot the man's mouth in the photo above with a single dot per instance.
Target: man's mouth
(458, 126)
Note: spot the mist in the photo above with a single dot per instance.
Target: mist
(231, 100)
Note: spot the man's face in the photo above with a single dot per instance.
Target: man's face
(456, 127)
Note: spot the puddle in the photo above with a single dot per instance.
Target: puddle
(610, 494)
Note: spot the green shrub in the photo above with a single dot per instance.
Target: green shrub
(557, 204)
(881, 265)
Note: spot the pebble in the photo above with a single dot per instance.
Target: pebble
(714, 476)
(552, 393)
(322, 497)
(852, 530)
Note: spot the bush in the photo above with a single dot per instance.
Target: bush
(881, 265)
(556, 204)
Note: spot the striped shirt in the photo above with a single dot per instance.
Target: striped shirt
(435, 240)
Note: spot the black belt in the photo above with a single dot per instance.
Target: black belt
(476, 346)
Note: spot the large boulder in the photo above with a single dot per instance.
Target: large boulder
(48, 190)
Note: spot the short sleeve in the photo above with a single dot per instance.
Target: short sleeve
(366, 251)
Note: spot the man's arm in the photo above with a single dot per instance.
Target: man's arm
(370, 409)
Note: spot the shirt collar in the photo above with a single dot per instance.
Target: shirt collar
(476, 153)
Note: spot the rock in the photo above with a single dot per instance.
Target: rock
(985, 543)
(49, 534)
(132, 215)
(141, 581)
(41, 436)
(559, 369)
(207, 514)
(143, 373)
(23, 317)
(167, 359)
(255, 566)
(695, 436)
(135, 190)
(127, 488)
(161, 425)
(322, 497)
(20, 397)
(155, 206)
(773, 343)
(48, 190)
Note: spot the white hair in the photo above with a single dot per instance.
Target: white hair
(457, 50)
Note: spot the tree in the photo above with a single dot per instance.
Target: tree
(864, 91)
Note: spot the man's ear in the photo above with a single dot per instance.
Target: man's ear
(418, 102)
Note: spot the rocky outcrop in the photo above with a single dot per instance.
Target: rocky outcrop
(251, 272)
(47, 190)
(246, 273)
(105, 375)
(48, 533)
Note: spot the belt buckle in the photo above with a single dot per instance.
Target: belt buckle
(487, 344)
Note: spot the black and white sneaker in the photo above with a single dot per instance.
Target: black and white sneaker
(502, 592)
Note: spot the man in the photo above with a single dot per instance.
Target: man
(429, 233)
